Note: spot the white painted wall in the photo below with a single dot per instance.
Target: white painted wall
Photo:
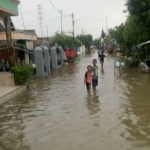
(26, 57)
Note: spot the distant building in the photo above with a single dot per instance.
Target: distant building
(22, 41)
(23, 44)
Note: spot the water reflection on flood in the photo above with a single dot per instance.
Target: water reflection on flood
(59, 114)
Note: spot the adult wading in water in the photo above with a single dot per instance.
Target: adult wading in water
(101, 57)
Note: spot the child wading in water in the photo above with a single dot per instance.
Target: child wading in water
(88, 78)
(95, 74)
(102, 56)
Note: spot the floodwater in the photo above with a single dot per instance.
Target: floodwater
(58, 114)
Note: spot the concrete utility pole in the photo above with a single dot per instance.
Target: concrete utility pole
(73, 25)
(8, 32)
(73, 22)
(9, 41)
(106, 26)
(61, 22)
(47, 30)
(40, 18)
(83, 32)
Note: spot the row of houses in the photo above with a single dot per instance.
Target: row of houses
(23, 42)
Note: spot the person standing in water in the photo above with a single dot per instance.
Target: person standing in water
(101, 57)
(95, 75)
(88, 78)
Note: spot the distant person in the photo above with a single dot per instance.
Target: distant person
(99, 52)
(101, 57)
(95, 75)
(111, 51)
(93, 50)
(88, 78)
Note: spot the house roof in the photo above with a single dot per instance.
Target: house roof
(19, 35)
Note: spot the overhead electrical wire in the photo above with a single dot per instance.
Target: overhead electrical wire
(54, 6)
(58, 9)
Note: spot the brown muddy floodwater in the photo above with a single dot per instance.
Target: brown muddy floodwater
(58, 114)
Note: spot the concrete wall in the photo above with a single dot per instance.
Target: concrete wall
(30, 45)
(40, 41)
(80, 50)
(6, 79)
(83, 49)
(26, 57)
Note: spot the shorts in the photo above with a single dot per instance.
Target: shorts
(95, 82)
(102, 61)
(88, 85)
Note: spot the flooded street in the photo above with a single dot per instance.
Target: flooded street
(58, 114)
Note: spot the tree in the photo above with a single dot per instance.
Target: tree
(65, 41)
(96, 42)
(139, 19)
(117, 33)
(133, 32)
(86, 40)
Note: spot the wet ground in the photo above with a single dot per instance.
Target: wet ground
(58, 114)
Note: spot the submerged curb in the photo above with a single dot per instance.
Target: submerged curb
(13, 93)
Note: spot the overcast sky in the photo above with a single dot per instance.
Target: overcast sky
(92, 15)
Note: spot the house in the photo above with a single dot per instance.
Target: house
(7, 8)
(23, 42)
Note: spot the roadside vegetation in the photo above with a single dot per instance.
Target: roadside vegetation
(134, 31)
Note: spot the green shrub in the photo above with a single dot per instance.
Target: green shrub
(22, 73)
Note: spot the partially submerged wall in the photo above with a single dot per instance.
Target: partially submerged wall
(6, 79)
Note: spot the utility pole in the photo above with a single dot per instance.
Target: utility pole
(40, 18)
(83, 32)
(73, 22)
(8, 32)
(9, 41)
(47, 30)
(73, 25)
(106, 26)
(61, 22)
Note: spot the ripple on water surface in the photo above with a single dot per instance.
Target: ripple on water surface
(57, 113)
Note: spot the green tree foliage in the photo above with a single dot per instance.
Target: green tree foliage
(65, 41)
(117, 33)
(137, 27)
(96, 42)
(139, 9)
(87, 40)
(138, 20)
(132, 32)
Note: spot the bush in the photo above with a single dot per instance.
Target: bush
(22, 73)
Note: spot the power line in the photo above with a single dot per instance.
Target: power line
(58, 9)
(54, 6)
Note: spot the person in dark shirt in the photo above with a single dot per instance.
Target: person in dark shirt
(101, 57)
